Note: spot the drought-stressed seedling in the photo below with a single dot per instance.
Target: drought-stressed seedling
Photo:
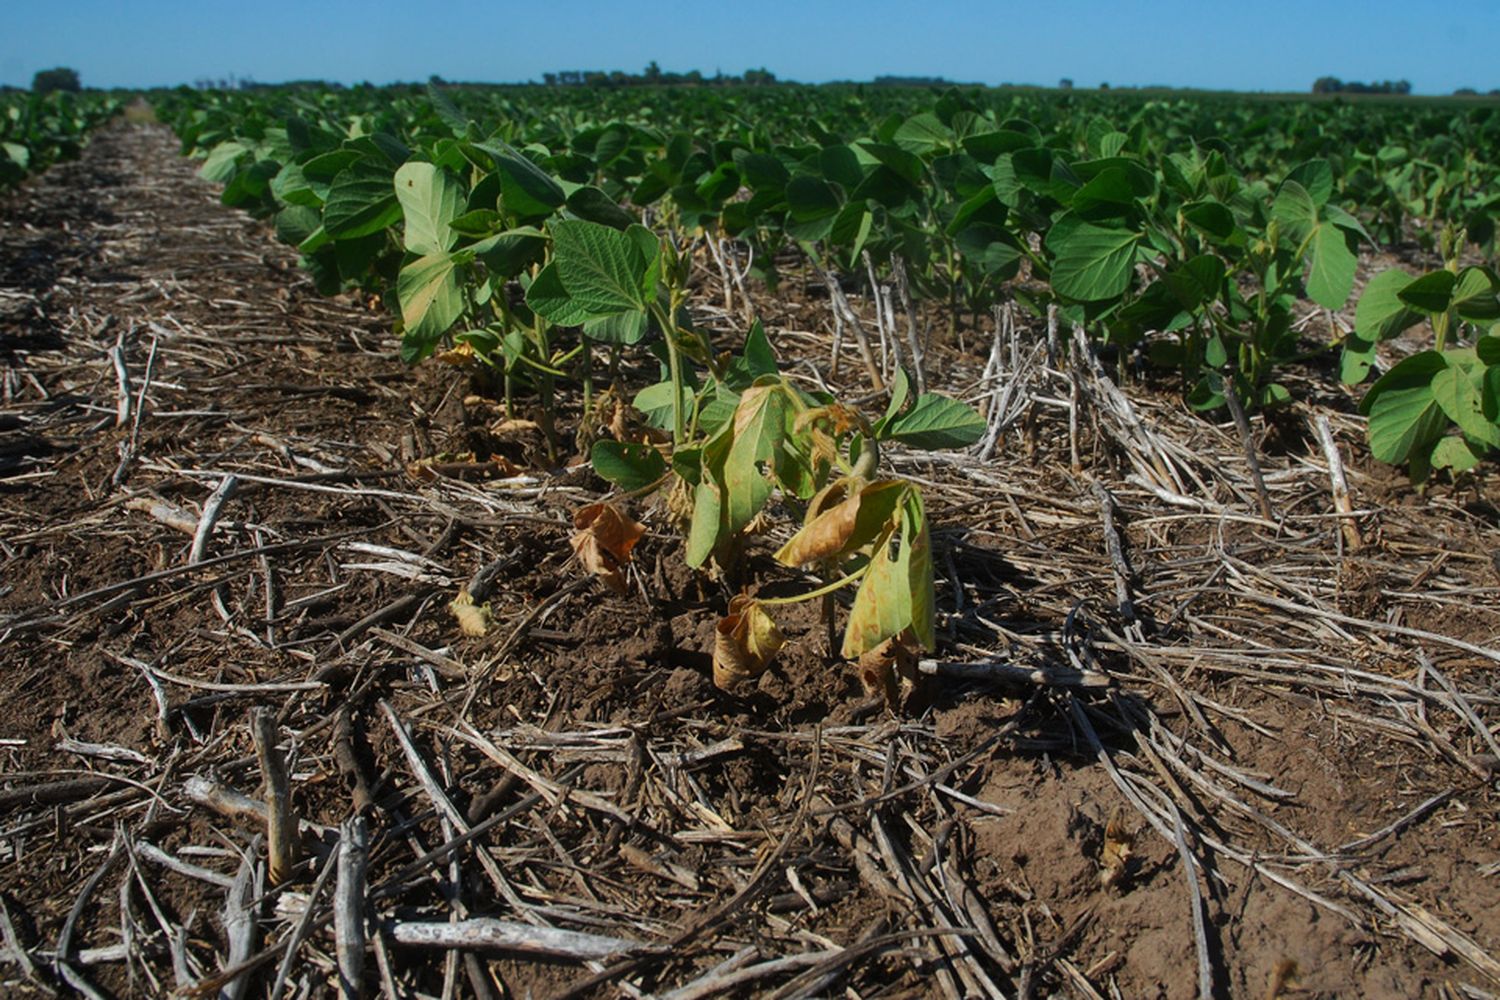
(747, 433)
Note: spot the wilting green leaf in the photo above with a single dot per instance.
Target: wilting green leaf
(896, 593)
(629, 466)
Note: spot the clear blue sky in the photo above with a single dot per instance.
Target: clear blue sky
(1248, 45)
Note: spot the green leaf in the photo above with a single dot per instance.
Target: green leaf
(601, 268)
(1404, 416)
(361, 201)
(1092, 263)
(1431, 293)
(1454, 453)
(1487, 349)
(1316, 178)
(222, 162)
(509, 253)
(655, 404)
(1474, 295)
(548, 299)
(527, 190)
(594, 205)
(900, 392)
(1459, 391)
(1196, 281)
(431, 198)
(1295, 211)
(621, 328)
(1211, 218)
(629, 466)
(431, 302)
(936, 421)
(1381, 314)
(1330, 267)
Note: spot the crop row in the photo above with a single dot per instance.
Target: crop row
(1195, 234)
(37, 131)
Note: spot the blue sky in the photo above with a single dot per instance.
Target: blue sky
(1254, 45)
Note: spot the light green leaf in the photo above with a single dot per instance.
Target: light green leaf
(431, 198)
(1381, 314)
(1330, 267)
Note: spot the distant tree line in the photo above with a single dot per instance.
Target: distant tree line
(654, 76)
(61, 78)
(1333, 85)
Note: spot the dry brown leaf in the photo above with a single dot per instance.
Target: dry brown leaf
(745, 642)
(473, 619)
(1119, 845)
(602, 541)
(890, 669)
(458, 355)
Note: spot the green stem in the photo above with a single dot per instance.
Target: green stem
(674, 364)
(827, 588)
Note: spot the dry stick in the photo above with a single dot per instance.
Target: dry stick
(1075, 398)
(487, 933)
(1339, 484)
(1195, 897)
(240, 912)
(838, 344)
(13, 946)
(349, 906)
(128, 449)
(281, 820)
(62, 962)
(1460, 704)
(299, 933)
(1001, 672)
(1053, 344)
(1116, 551)
(211, 507)
(841, 305)
(918, 349)
(1242, 422)
(122, 380)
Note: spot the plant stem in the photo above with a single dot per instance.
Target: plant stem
(827, 588)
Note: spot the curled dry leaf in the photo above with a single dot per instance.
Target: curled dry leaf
(838, 522)
(1119, 845)
(602, 541)
(458, 355)
(890, 669)
(745, 642)
(473, 619)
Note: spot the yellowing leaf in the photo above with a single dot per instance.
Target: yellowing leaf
(1119, 845)
(745, 642)
(603, 540)
(896, 593)
(473, 619)
(837, 527)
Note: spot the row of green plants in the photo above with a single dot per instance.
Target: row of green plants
(1187, 232)
(37, 131)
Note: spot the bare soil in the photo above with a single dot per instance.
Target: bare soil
(1295, 738)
